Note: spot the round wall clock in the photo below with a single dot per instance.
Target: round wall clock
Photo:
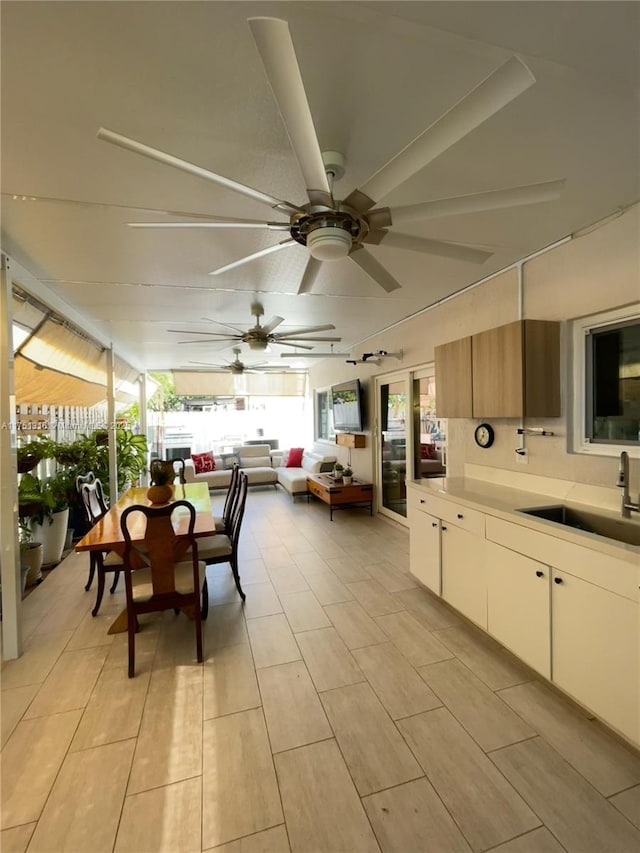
(484, 435)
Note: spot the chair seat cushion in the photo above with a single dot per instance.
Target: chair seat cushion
(111, 560)
(143, 589)
(211, 547)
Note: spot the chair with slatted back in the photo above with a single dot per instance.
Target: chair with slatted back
(223, 548)
(223, 522)
(175, 577)
(178, 467)
(81, 479)
(95, 507)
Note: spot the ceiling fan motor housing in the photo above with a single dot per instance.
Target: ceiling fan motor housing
(328, 234)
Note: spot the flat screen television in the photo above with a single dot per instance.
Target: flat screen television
(347, 404)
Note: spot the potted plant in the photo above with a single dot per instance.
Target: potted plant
(43, 506)
(337, 471)
(347, 476)
(162, 475)
(30, 556)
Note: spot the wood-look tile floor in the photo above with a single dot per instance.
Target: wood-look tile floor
(341, 709)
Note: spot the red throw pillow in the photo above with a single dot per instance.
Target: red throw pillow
(427, 451)
(294, 460)
(204, 462)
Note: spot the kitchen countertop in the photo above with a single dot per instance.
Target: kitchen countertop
(503, 502)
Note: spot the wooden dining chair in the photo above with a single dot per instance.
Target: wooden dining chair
(178, 467)
(95, 507)
(223, 547)
(223, 522)
(175, 577)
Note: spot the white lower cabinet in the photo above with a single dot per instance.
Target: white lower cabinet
(464, 576)
(424, 548)
(596, 639)
(518, 598)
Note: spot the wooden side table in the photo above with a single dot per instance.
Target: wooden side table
(338, 496)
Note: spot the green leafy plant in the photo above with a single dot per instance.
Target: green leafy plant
(347, 472)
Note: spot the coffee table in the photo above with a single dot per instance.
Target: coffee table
(338, 496)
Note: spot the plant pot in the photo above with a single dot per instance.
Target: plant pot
(160, 494)
(31, 563)
(347, 480)
(52, 535)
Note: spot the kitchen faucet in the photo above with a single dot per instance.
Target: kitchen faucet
(623, 482)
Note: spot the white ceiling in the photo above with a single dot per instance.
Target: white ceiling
(186, 77)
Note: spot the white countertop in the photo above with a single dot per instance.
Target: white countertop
(503, 502)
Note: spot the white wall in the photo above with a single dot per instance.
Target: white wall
(590, 273)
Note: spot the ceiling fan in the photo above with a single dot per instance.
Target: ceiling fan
(259, 337)
(237, 367)
(333, 229)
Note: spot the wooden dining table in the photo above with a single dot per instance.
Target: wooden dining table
(106, 534)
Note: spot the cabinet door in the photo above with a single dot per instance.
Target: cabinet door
(424, 549)
(497, 372)
(453, 379)
(595, 655)
(519, 605)
(464, 579)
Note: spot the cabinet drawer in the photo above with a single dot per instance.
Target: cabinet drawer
(618, 576)
(461, 516)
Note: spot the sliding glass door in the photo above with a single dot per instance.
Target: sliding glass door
(394, 420)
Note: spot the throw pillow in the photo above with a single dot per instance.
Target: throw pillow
(294, 459)
(204, 462)
(428, 451)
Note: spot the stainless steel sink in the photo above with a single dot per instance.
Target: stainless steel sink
(611, 528)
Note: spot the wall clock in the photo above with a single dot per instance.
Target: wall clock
(484, 435)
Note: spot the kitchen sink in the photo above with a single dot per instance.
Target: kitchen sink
(611, 528)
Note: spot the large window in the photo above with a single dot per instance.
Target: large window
(607, 382)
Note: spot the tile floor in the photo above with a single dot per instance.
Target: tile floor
(341, 709)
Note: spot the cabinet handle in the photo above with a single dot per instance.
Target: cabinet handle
(434, 523)
(422, 500)
(539, 574)
(460, 515)
(557, 580)
(443, 527)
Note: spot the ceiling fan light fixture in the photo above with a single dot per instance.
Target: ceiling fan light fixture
(329, 243)
(257, 344)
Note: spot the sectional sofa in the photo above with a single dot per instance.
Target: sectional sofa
(263, 467)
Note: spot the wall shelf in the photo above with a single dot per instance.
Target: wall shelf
(351, 439)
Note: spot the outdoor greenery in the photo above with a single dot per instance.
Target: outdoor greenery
(39, 498)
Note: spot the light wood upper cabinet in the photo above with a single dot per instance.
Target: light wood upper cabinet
(453, 379)
(516, 370)
(511, 371)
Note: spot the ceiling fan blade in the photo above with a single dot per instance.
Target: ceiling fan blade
(184, 166)
(285, 244)
(239, 332)
(455, 251)
(205, 341)
(303, 330)
(250, 223)
(273, 323)
(370, 265)
(287, 344)
(487, 98)
(275, 45)
(214, 334)
(306, 338)
(310, 274)
(210, 364)
(477, 202)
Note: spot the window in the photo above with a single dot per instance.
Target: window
(607, 383)
(324, 416)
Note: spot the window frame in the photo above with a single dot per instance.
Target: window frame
(581, 382)
(317, 425)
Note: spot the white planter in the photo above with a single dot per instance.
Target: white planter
(347, 480)
(52, 536)
(31, 563)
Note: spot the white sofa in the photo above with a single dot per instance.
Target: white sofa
(255, 460)
(294, 480)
